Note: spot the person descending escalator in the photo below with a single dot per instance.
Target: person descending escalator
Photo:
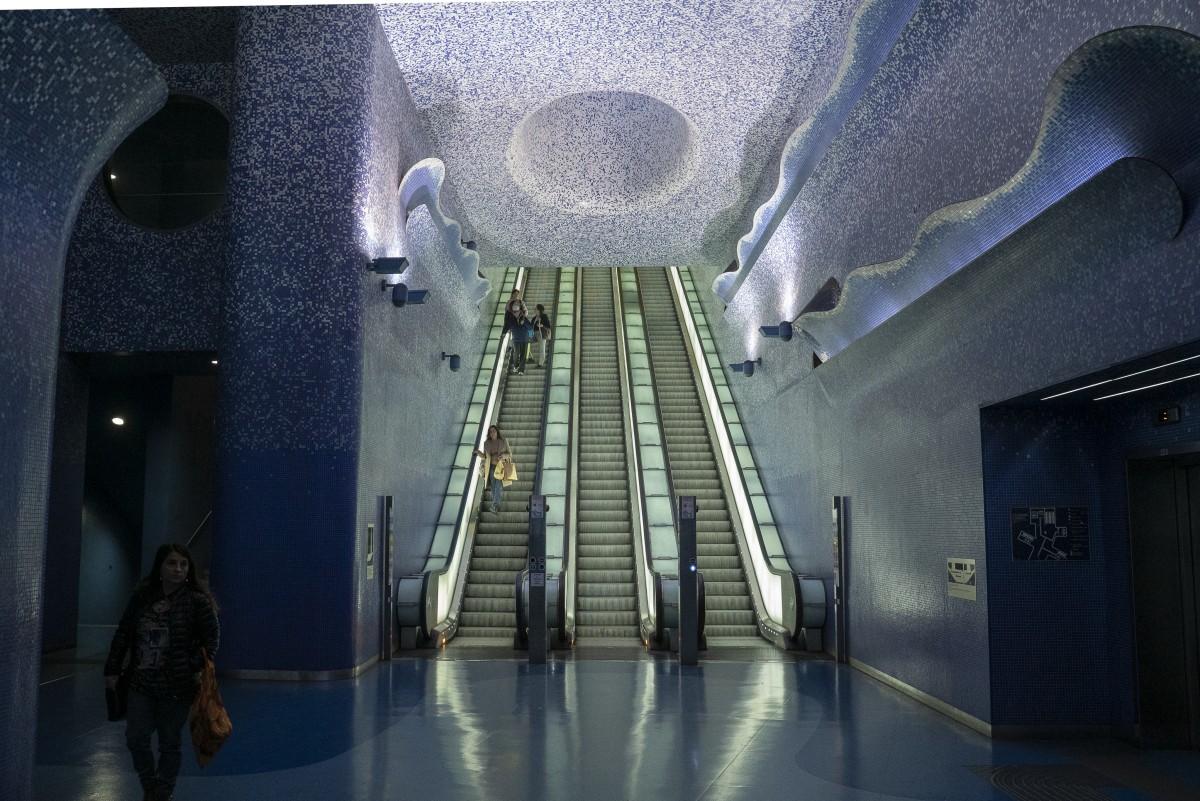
(497, 464)
(520, 344)
(541, 325)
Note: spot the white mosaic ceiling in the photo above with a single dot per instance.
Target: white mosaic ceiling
(614, 133)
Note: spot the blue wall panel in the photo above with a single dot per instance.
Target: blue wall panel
(291, 347)
(283, 560)
(129, 288)
(412, 405)
(1050, 637)
(893, 421)
(71, 86)
(1047, 616)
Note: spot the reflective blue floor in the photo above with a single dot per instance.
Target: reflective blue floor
(600, 724)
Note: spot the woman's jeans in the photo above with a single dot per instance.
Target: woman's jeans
(497, 490)
(167, 716)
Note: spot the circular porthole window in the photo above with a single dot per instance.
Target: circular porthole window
(171, 172)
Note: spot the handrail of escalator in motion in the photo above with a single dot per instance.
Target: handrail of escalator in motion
(790, 608)
(551, 472)
(499, 553)
(430, 601)
(656, 547)
(693, 465)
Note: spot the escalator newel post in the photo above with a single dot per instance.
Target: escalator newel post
(689, 606)
(538, 642)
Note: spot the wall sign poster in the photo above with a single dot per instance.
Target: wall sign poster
(1050, 532)
(960, 577)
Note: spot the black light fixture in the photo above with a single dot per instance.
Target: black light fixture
(389, 265)
(469, 244)
(782, 331)
(403, 296)
(455, 361)
(746, 368)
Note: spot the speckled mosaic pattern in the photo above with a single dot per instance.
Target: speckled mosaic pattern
(71, 87)
(433, 244)
(291, 354)
(411, 403)
(951, 115)
(616, 133)
(1076, 458)
(129, 288)
(877, 24)
(180, 35)
(1129, 93)
(893, 421)
(294, 288)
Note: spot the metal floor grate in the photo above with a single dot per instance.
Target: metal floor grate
(1064, 782)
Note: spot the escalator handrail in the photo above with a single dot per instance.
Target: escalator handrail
(523, 574)
(637, 518)
(662, 429)
(537, 467)
(649, 611)
(746, 520)
(570, 524)
(444, 627)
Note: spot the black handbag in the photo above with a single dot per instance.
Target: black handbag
(118, 700)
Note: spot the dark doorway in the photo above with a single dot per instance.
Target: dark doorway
(1164, 514)
(134, 466)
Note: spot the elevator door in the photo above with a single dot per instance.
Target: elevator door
(1164, 513)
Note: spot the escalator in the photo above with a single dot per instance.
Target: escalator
(606, 604)
(502, 538)
(729, 610)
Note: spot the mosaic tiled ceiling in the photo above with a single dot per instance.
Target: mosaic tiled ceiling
(615, 133)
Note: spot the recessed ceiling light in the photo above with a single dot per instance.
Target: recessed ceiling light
(118, 421)
(1122, 378)
(1149, 386)
(214, 361)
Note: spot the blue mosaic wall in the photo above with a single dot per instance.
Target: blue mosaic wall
(71, 87)
(825, 444)
(330, 395)
(967, 104)
(1078, 614)
(893, 421)
(129, 288)
(288, 398)
(412, 405)
(1051, 640)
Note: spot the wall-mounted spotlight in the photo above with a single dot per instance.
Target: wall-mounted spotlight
(402, 295)
(746, 368)
(782, 331)
(389, 265)
(469, 244)
(455, 361)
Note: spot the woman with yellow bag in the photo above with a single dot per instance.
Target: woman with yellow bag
(497, 465)
(169, 625)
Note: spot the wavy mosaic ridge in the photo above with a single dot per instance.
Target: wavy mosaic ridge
(876, 27)
(743, 72)
(433, 242)
(1105, 103)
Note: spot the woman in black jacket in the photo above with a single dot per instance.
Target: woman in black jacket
(170, 617)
